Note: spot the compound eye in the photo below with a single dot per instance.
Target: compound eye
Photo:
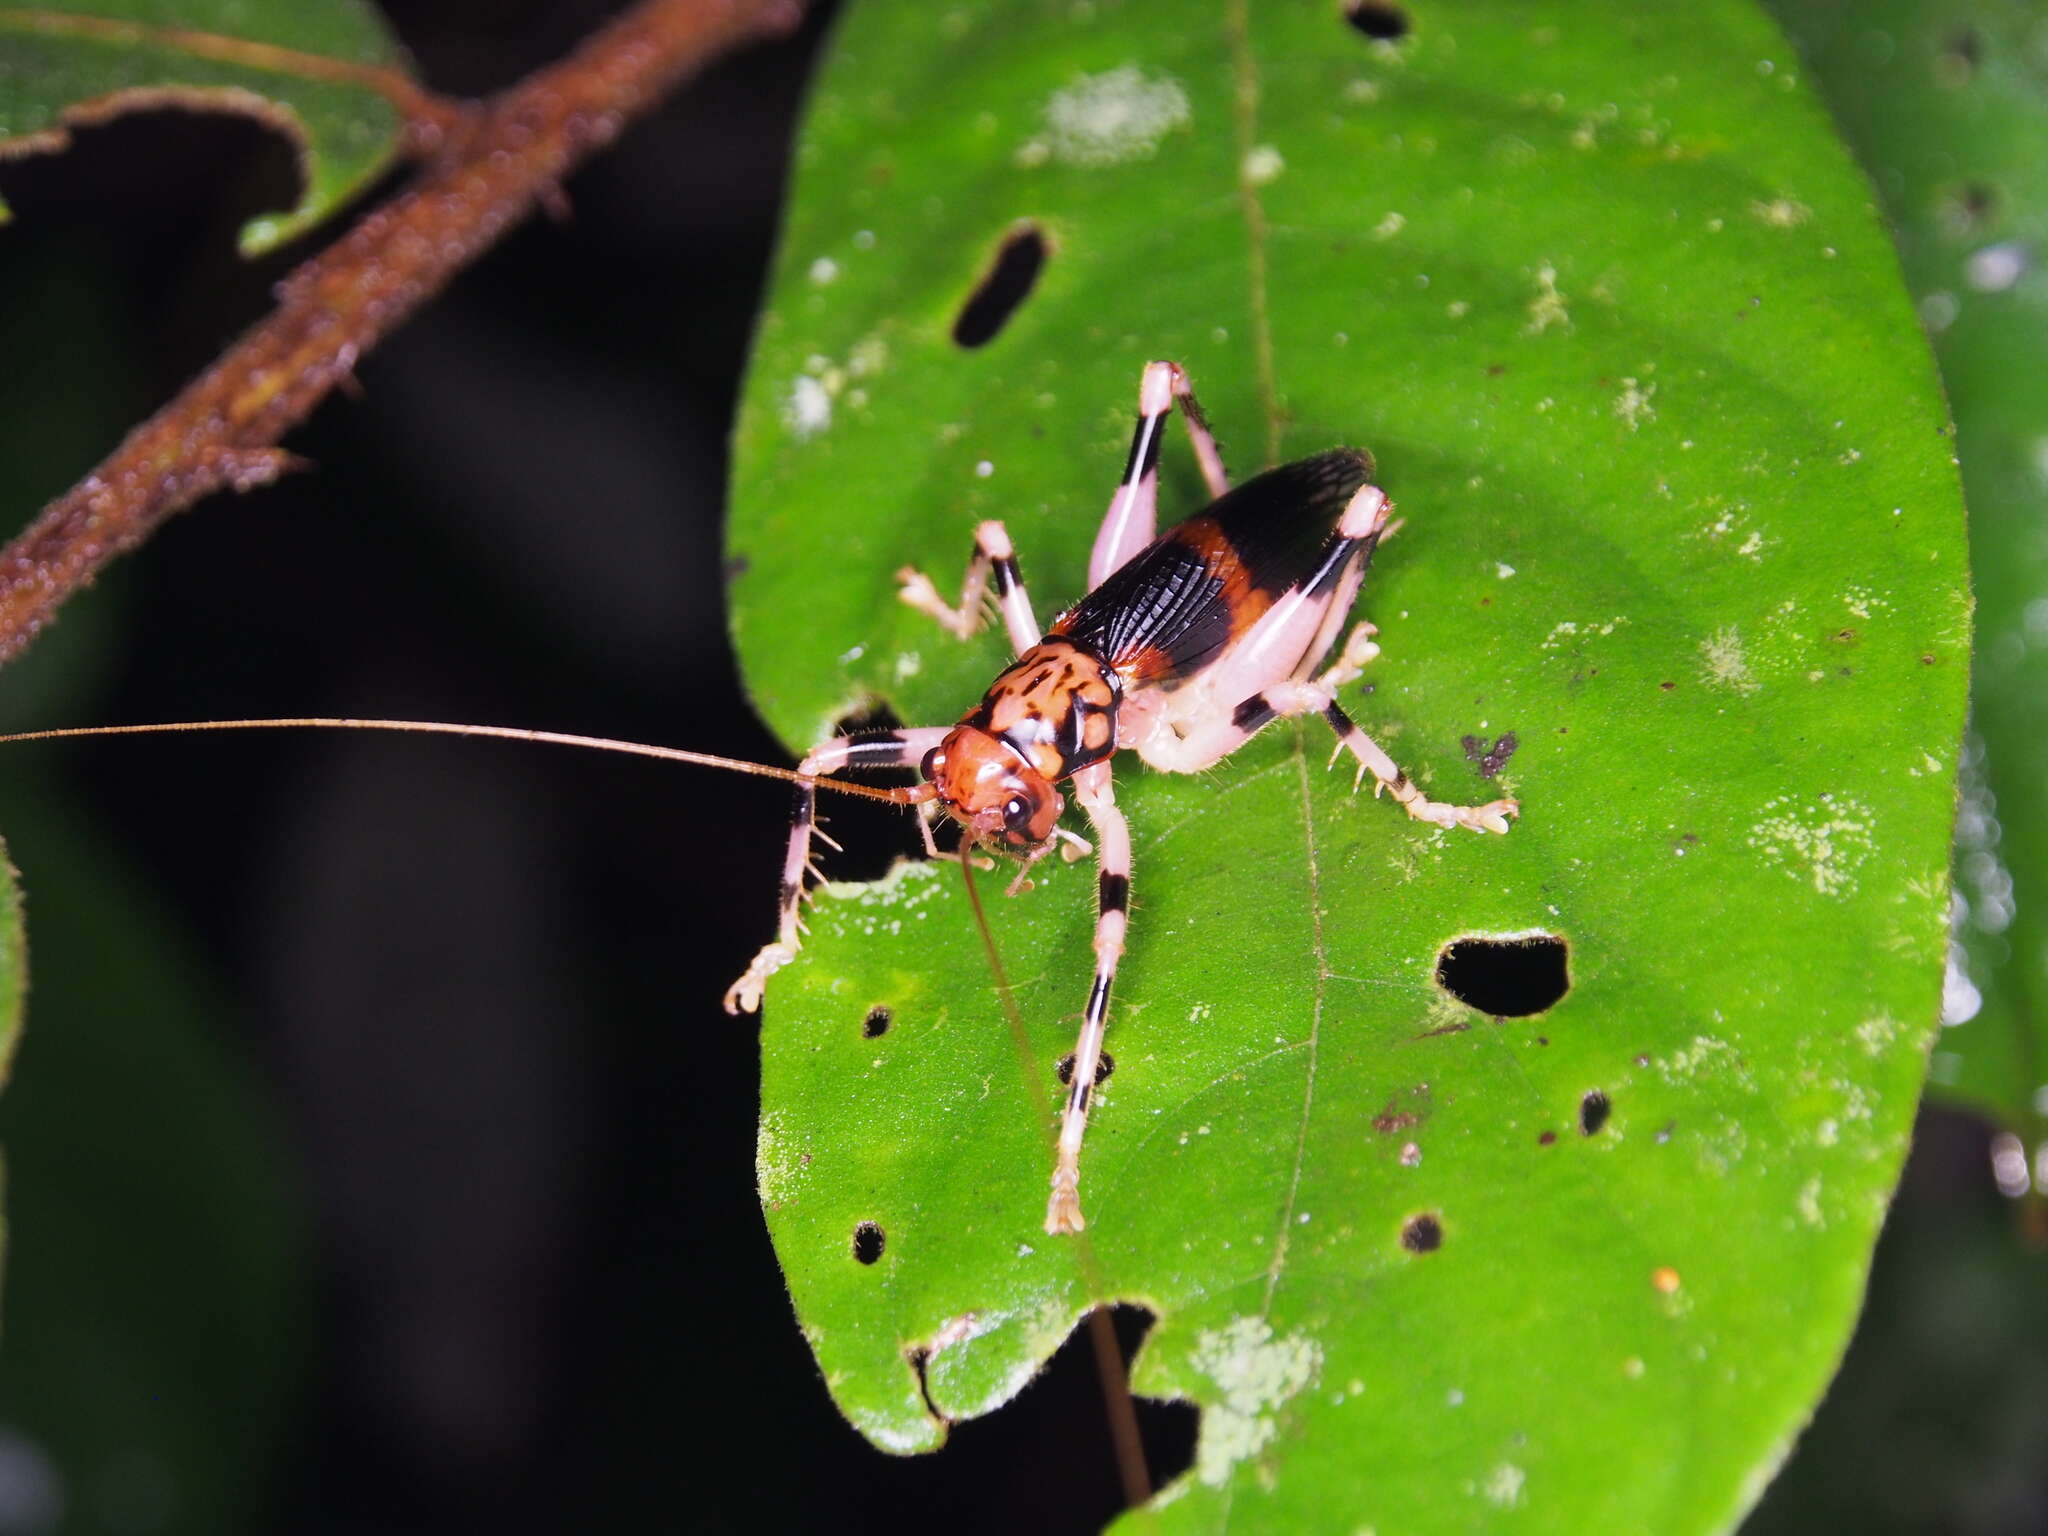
(1017, 813)
(929, 768)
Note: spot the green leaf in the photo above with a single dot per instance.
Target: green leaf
(1612, 308)
(1946, 105)
(326, 73)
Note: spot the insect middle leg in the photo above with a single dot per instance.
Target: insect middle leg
(1092, 787)
(868, 749)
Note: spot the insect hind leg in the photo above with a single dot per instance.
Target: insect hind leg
(1387, 774)
(1132, 520)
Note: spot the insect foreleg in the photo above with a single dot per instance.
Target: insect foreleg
(992, 556)
(1113, 900)
(869, 749)
(1133, 516)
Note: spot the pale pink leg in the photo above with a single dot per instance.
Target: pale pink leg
(1092, 787)
(1132, 520)
(870, 749)
(992, 556)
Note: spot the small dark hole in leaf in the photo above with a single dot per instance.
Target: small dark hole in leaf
(1003, 288)
(1104, 1065)
(1546, 1139)
(1506, 978)
(1380, 20)
(876, 1024)
(1422, 1234)
(1593, 1112)
(868, 1240)
(871, 835)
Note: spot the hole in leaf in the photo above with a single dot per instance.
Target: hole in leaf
(1003, 288)
(876, 1024)
(1422, 1234)
(1061, 1419)
(868, 1241)
(1593, 1112)
(1380, 20)
(1506, 978)
(871, 835)
(1104, 1065)
(1546, 1139)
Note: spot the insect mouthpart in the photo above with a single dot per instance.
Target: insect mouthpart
(992, 790)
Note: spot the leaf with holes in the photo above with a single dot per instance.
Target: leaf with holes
(1683, 560)
(326, 73)
(1946, 105)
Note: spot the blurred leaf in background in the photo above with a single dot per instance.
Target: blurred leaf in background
(1948, 106)
(1939, 1420)
(326, 73)
(153, 1313)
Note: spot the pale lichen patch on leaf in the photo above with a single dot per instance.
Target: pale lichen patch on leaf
(1503, 1486)
(1109, 119)
(1725, 664)
(778, 1167)
(1822, 841)
(1781, 212)
(1262, 163)
(807, 408)
(1256, 1373)
(1633, 406)
(1547, 309)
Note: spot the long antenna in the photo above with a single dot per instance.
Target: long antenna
(445, 728)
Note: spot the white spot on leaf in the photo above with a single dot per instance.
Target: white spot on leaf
(1255, 1373)
(1821, 842)
(807, 408)
(1726, 665)
(1112, 118)
(1262, 163)
(1548, 307)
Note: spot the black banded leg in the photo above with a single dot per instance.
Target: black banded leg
(1207, 454)
(867, 749)
(1093, 789)
(1132, 520)
(992, 557)
(1491, 817)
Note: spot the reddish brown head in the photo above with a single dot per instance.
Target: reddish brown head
(991, 789)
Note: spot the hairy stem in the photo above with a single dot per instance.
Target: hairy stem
(222, 430)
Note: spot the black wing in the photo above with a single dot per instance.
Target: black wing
(1173, 607)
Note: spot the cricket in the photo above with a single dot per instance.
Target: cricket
(1185, 645)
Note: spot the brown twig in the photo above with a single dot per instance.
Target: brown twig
(222, 430)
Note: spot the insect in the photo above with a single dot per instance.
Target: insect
(1184, 647)
(1186, 644)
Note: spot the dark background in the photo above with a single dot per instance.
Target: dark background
(463, 998)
